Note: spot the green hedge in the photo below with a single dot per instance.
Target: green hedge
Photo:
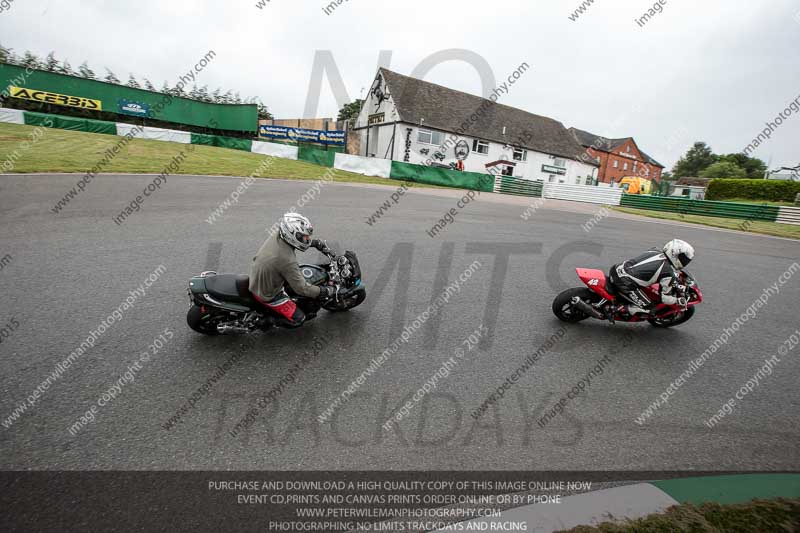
(771, 190)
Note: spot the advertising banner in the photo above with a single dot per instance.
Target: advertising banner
(54, 98)
(129, 107)
(283, 133)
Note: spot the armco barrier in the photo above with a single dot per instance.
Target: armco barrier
(315, 156)
(69, 123)
(582, 193)
(675, 204)
(222, 142)
(368, 166)
(442, 176)
(155, 134)
(284, 151)
(788, 215)
(11, 116)
(517, 187)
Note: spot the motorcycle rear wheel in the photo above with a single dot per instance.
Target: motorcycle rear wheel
(562, 305)
(205, 323)
(674, 320)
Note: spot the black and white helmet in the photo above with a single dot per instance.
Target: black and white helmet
(296, 230)
(680, 253)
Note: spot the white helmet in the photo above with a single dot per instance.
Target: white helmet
(680, 253)
(296, 230)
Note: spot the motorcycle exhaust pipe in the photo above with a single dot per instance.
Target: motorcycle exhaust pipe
(585, 308)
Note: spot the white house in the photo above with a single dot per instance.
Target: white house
(406, 119)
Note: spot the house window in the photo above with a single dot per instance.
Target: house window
(628, 148)
(430, 137)
(616, 164)
(560, 163)
(481, 147)
(508, 170)
(625, 166)
(520, 154)
(589, 180)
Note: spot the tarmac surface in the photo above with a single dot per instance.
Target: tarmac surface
(68, 271)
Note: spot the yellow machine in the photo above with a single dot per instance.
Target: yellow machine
(634, 185)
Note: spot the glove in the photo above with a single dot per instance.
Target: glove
(326, 292)
(320, 245)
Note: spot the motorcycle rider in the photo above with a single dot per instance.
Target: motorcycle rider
(653, 266)
(275, 266)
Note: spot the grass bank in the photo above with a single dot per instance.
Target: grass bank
(749, 226)
(57, 150)
(762, 516)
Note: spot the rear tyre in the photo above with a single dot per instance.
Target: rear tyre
(562, 305)
(205, 323)
(674, 320)
(354, 300)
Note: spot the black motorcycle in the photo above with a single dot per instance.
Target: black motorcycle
(222, 303)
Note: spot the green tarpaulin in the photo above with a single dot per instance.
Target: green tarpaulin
(75, 92)
(442, 176)
(69, 123)
(318, 157)
(222, 142)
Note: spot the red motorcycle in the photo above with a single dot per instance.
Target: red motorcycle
(599, 300)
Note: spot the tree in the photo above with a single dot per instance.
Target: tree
(263, 112)
(86, 72)
(165, 89)
(149, 86)
(132, 82)
(698, 158)
(753, 166)
(350, 111)
(51, 63)
(5, 54)
(194, 94)
(202, 94)
(111, 77)
(29, 60)
(66, 68)
(724, 169)
(236, 99)
(215, 96)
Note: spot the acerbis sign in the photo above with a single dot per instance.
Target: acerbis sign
(46, 97)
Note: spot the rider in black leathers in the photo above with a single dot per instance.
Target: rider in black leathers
(653, 266)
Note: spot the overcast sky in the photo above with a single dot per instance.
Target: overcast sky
(713, 70)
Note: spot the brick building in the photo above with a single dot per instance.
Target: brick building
(618, 158)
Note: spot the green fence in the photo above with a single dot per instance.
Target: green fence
(442, 176)
(72, 91)
(707, 208)
(518, 187)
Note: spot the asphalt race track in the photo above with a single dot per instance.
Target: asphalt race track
(69, 271)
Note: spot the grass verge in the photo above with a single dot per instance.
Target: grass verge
(74, 151)
(758, 515)
(749, 226)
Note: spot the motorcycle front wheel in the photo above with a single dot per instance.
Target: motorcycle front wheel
(354, 300)
(673, 320)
